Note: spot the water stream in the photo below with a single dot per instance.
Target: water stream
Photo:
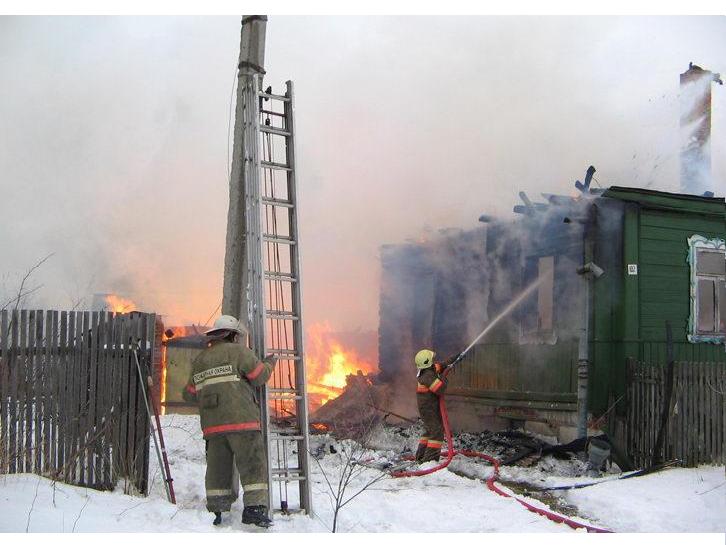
(505, 312)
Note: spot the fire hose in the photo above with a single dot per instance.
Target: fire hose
(491, 481)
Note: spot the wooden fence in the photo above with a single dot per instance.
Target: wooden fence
(696, 412)
(71, 402)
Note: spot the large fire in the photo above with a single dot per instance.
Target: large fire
(328, 362)
(119, 304)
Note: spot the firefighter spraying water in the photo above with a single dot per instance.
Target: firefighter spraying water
(431, 385)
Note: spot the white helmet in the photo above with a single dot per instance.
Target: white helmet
(226, 323)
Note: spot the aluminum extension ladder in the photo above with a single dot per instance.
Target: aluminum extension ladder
(273, 274)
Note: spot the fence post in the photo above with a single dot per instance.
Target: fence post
(4, 391)
(658, 451)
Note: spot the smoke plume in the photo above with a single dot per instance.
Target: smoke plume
(114, 153)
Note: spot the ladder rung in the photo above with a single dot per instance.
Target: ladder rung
(289, 471)
(289, 511)
(280, 394)
(282, 478)
(282, 431)
(282, 316)
(271, 112)
(273, 165)
(284, 277)
(275, 97)
(274, 130)
(283, 397)
(275, 437)
(278, 239)
(284, 357)
(277, 202)
(290, 351)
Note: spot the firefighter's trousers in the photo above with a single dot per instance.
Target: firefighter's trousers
(429, 446)
(248, 452)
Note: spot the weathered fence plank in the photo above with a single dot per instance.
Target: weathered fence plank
(118, 395)
(14, 364)
(4, 390)
(38, 389)
(73, 409)
(23, 390)
(141, 420)
(108, 399)
(98, 401)
(61, 391)
(47, 370)
(91, 395)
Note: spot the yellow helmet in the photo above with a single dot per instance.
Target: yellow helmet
(424, 359)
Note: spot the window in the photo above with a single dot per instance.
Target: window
(707, 259)
(538, 311)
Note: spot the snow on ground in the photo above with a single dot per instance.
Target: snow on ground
(673, 500)
(676, 500)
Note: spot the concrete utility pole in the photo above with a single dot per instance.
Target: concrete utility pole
(251, 64)
(261, 258)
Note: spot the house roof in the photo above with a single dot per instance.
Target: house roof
(679, 202)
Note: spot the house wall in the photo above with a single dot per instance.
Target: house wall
(631, 310)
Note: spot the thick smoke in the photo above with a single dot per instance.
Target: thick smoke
(114, 153)
(441, 292)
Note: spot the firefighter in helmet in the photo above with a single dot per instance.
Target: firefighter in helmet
(222, 381)
(430, 387)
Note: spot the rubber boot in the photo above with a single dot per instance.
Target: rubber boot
(255, 514)
(217, 518)
(420, 451)
(432, 454)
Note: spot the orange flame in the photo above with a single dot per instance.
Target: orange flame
(319, 426)
(119, 304)
(174, 332)
(328, 363)
(162, 386)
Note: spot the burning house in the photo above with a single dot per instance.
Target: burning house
(663, 260)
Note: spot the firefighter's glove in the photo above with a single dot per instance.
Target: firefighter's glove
(451, 359)
(270, 359)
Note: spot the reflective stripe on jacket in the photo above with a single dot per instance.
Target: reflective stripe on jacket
(222, 381)
(430, 382)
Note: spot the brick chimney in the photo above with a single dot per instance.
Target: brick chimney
(696, 131)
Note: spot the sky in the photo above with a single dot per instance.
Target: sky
(115, 135)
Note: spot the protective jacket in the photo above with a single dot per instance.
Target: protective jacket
(430, 386)
(222, 381)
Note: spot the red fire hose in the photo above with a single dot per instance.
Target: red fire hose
(491, 481)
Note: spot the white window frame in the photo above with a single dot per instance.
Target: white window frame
(698, 243)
